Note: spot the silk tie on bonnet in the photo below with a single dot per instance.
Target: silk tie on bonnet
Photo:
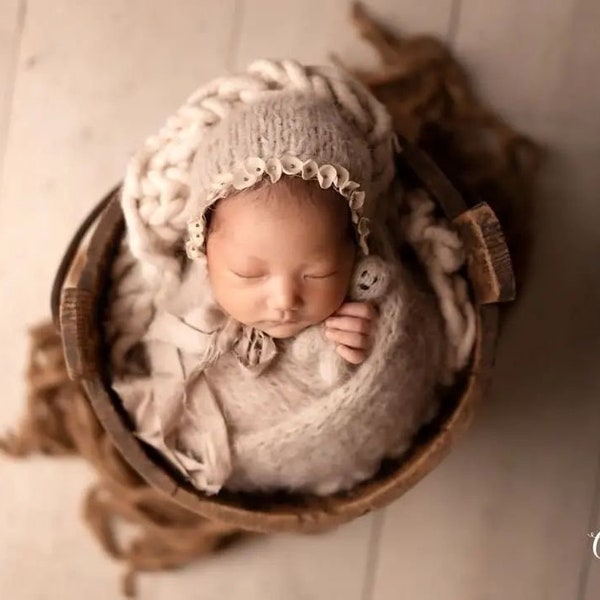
(309, 423)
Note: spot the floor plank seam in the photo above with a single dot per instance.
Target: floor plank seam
(454, 21)
(11, 85)
(231, 64)
(373, 555)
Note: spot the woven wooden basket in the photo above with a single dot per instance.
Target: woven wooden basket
(78, 311)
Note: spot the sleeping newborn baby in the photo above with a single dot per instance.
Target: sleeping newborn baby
(280, 258)
(297, 349)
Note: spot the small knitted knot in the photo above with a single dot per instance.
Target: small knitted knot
(254, 350)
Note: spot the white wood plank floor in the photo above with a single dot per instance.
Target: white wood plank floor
(507, 515)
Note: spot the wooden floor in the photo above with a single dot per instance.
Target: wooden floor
(507, 515)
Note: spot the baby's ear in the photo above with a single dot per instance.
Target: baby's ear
(370, 279)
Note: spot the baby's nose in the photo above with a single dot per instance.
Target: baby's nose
(284, 294)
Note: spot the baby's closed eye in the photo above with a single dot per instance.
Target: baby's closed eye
(248, 275)
(254, 275)
(320, 276)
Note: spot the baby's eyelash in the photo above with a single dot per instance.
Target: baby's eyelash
(242, 276)
(247, 276)
(321, 276)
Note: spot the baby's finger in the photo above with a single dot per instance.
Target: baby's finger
(363, 310)
(352, 355)
(349, 338)
(355, 324)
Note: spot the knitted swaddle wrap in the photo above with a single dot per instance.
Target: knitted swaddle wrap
(310, 432)
(295, 430)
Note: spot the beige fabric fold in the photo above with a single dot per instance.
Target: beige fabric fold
(175, 409)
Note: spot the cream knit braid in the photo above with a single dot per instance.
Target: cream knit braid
(440, 251)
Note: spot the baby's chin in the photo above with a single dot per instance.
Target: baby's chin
(283, 331)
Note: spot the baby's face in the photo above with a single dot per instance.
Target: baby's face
(278, 261)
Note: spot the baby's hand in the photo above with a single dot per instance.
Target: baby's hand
(351, 327)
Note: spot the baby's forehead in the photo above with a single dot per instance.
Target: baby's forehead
(271, 217)
(289, 194)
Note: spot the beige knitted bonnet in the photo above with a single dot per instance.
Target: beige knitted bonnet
(316, 123)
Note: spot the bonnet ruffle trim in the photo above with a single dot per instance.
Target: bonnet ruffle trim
(254, 169)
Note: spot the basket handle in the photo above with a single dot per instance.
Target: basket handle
(488, 259)
(69, 255)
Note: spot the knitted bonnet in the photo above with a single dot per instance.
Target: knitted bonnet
(316, 123)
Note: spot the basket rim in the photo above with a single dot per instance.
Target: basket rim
(77, 312)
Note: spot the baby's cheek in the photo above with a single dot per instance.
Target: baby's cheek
(246, 301)
(332, 296)
(226, 293)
